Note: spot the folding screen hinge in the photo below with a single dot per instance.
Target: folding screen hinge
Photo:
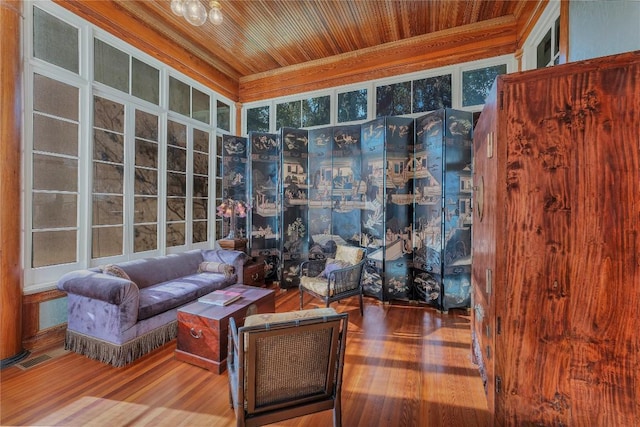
(488, 281)
(498, 384)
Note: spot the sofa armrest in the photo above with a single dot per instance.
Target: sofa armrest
(236, 258)
(103, 287)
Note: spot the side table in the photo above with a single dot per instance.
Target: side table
(203, 328)
(254, 272)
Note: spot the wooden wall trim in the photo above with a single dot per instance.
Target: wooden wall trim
(10, 134)
(564, 32)
(32, 337)
(462, 44)
(113, 19)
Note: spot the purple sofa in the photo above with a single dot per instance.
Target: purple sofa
(118, 319)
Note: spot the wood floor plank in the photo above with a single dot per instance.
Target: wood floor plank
(404, 366)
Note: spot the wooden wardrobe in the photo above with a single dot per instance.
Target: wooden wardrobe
(556, 244)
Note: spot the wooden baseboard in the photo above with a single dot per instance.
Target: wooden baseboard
(47, 338)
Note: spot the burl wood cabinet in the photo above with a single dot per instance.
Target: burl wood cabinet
(556, 243)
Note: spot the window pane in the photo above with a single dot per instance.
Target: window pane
(176, 184)
(145, 81)
(433, 93)
(108, 146)
(543, 56)
(63, 241)
(55, 136)
(107, 178)
(145, 237)
(55, 41)
(200, 186)
(223, 114)
(200, 140)
(176, 207)
(146, 153)
(393, 100)
(108, 114)
(316, 111)
(110, 66)
(176, 159)
(107, 210)
(145, 209)
(176, 134)
(179, 96)
(200, 208)
(54, 210)
(352, 106)
(199, 231)
(106, 241)
(258, 119)
(146, 125)
(477, 83)
(146, 182)
(201, 106)
(200, 164)
(55, 98)
(288, 114)
(175, 234)
(54, 173)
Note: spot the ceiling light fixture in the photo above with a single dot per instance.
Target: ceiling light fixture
(195, 13)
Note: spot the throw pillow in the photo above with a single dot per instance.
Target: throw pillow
(351, 254)
(216, 267)
(114, 270)
(333, 265)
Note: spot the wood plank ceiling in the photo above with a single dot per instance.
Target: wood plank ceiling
(266, 41)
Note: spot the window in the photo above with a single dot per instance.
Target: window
(477, 83)
(316, 111)
(393, 99)
(432, 93)
(54, 172)
(258, 119)
(548, 50)
(352, 106)
(55, 41)
(141, 183)
(288, 114)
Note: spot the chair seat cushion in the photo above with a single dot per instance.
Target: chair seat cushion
(317, 285)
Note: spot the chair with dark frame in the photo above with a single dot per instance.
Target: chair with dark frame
(334, 279)
(285, 365)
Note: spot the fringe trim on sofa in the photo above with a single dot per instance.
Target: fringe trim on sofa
(120, 355)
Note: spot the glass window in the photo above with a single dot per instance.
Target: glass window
(316, 111)
(145, 228)
(145, 81)
(200, 199)
(223, 116)
(432, 93)
(54, 169)
(258, 119)
(288, 114)
(176, 184)
(352, 106)
(179, 97)
(55, 41)
(201, 108)
(108, 178)
(110, 66)
(393, 99)
(543, 56)
(477, 83)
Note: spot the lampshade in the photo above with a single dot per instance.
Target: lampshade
(215, 14)
(195, 13)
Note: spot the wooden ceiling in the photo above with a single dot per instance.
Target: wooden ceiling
(270, 40)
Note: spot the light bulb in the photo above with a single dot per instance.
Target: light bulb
(177, 7)
(215, 14)
(195, 13)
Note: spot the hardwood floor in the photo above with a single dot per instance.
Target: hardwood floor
(405, 366)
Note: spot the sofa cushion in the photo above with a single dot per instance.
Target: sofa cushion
(151, 271)
(350, 254)
(174, 293)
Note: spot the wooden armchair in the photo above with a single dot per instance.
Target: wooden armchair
(285, 365)
(334, 279)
